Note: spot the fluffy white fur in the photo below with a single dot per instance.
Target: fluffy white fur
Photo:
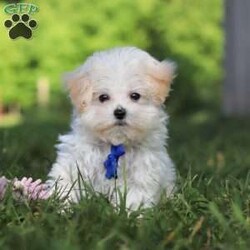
(145, 171)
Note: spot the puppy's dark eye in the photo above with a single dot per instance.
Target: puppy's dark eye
(135, 96)
(104, 98)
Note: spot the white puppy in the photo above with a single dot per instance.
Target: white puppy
(118, 98)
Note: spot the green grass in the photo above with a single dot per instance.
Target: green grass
(210, 210)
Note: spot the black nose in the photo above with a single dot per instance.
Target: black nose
(120, 113)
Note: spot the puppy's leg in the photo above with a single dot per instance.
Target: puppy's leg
(65, 181)
(153, 176)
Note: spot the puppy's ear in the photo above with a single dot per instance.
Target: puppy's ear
(161, 75)
(80, 89)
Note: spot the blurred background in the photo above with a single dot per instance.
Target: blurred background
(188, 32)
(34, 109)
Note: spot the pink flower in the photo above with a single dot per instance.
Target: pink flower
(26, 188)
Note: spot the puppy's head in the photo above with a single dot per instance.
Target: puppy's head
(118, 94)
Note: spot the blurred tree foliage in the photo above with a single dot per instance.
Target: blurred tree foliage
(187, 31)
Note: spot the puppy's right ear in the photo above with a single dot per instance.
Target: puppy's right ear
(80, 89)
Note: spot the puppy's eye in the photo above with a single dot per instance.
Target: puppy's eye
(135, 96)
(104, 98)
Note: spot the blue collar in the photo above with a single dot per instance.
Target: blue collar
(111, 162)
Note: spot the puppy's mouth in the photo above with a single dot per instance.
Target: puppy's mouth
(120, 123)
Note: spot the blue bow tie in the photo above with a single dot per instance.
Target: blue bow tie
(111, 163)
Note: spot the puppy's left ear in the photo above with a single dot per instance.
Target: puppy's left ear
(161, 75)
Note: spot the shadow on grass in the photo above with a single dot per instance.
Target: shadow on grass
(208, 143)
(203, 142)
(28, 148)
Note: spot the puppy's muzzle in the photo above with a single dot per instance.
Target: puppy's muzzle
(120, 113)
